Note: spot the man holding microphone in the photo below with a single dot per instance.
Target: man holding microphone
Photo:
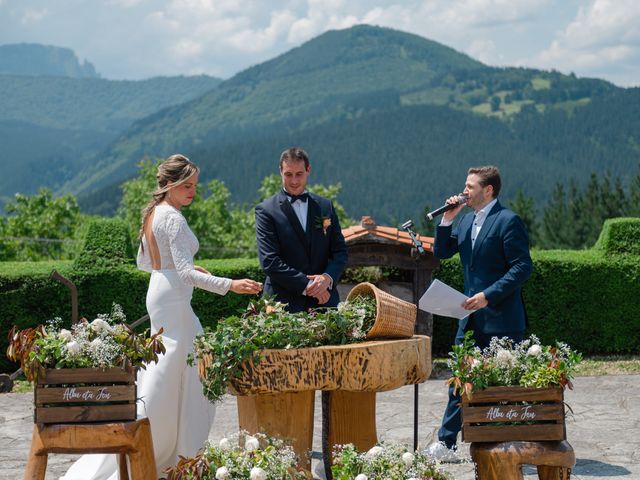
(494, 251)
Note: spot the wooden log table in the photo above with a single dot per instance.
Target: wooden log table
(276, 396)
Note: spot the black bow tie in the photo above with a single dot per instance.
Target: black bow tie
(302, 197)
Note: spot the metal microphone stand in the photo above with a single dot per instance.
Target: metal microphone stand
(419, 252)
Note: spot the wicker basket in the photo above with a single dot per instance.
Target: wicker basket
(395, 318)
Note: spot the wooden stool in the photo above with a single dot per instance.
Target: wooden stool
(122, 438)
(504, 460)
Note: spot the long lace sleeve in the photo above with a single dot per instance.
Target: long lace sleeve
(178, 233)
(143, 260)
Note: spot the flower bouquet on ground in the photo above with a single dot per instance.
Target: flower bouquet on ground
(512, 392)
(106, 342)
(384, 462)
(267, 325)
(260, 458)
(505, 363)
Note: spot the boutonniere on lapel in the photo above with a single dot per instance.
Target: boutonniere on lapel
(324, 223)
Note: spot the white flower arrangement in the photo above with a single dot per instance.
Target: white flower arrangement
(258, 457)
(386, 461)
(506, 363)
(103, 343)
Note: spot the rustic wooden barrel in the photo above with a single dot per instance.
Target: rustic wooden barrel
(276, 395)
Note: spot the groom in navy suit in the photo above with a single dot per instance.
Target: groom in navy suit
(300, 243)
(494, 252)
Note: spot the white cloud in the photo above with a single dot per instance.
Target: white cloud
(141, 38)
(483, 50)
(33, 15)
(604, 34)
(124, 3)
(263, 39)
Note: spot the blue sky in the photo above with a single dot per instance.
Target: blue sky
(134, 39)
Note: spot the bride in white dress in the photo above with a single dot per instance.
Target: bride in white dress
(169, 392)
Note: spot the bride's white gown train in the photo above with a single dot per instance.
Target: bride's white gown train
(169, 392)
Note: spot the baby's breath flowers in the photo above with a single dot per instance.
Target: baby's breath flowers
(384, 462)
(260, 458)
(505, 363)
(102, 343)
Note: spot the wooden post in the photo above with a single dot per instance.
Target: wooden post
(504, 460)
(37, 461)
(288, 416)
(352, 419)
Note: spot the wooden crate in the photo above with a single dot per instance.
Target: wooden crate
(501, 414)
(81, 395)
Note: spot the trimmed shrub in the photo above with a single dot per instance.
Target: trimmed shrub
(620, 236)
(106, 245)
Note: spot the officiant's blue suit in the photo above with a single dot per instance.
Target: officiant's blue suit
(288, 253)
(498, 264)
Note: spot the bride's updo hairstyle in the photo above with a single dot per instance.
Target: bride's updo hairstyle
(172, 172)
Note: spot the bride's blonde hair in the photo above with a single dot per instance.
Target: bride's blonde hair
(174, 171)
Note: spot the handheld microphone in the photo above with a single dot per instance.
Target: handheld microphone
(447, 206)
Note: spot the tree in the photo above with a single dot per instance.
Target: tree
(427, 227)
(136, 193)
(39, 227)
(495, 103)
(526, 210)
(554, 222)
(223, 229)
(634, 196)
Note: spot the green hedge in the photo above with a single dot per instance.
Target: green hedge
(583, 298)
(28, 297)
(620, 235)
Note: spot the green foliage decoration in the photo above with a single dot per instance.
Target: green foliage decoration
(505, 363)
(620, 236)
(220, 352)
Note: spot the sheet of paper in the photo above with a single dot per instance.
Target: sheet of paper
(443, 300)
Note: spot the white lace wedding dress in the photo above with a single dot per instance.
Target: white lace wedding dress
(169, 392)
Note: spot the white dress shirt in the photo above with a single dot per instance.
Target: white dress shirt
(479, 219)
(301, 209)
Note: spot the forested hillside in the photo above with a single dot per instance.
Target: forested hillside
(53, 127)
(395, 117)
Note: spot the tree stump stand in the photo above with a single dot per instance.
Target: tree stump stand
(276, 395)
(121, 438)
(504, 460)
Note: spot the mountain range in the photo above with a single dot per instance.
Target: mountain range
(396, 118)
(53, 126)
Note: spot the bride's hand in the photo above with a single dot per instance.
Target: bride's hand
(201, 269)
(246, 285)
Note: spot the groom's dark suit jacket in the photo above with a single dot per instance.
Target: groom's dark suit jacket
(288, 254)
(498, 265)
